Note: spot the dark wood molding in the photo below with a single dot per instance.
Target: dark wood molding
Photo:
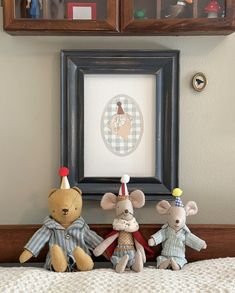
(164, 67)
(220, 240)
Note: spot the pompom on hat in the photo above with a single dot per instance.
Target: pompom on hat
(120, 110)
(64, 172)
(123, 191)
(177, 192)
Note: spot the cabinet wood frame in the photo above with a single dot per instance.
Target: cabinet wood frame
(27, 26)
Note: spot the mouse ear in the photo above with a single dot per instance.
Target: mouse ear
(108, 201)
(163, 207)
(51, 192)
(137, 199)
(191, 208)
(77, 189)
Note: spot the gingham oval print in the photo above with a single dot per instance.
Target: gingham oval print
(122, 125)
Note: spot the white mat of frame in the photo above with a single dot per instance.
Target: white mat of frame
(216, 275)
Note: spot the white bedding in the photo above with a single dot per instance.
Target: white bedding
(216, 275)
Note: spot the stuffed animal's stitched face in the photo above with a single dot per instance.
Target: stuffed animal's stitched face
(176, 217)
(124, 210)
(65, 205)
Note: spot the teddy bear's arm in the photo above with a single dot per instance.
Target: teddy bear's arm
(158, 237)
(194, 242)
(38, 240)
(91, 238)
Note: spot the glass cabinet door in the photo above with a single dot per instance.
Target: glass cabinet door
(62, 15)
(119, 17)
(178, 16)
(171, 9)
(61, 9)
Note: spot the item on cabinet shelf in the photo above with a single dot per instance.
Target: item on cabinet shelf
(199, 81)
(124, 245)
(213, 9)
(140, 14)
(81, 11)
(69, 237)
(35, 8)
(179, 9)
(24, 10)
(53, 9)
(174, 235)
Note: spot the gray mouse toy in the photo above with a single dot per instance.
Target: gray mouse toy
(174, 235)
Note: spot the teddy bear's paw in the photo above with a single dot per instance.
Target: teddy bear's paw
(58, 259)
(83, 261)
(25, 255)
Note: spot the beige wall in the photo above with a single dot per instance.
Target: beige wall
(29, 124)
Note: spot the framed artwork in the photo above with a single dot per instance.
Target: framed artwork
(81, 11)
(119, 115)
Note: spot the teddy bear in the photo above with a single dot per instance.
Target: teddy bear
(70, 239)
(125, 246)
(174, 235)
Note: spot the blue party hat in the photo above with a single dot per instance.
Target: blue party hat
(177, 192)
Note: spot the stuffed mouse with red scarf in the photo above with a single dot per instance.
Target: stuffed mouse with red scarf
(125, 245)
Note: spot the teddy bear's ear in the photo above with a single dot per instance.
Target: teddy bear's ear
(191, 208)
(108, 201)
(137, 199)
(163, 207)
(77, 189)
(51, 192)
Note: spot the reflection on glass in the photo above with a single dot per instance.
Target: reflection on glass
(61, 9)
(170, 9)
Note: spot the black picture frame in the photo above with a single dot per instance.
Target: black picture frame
(165, 66)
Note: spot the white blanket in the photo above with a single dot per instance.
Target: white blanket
(204, 276)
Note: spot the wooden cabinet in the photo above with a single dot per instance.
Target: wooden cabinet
(60, 17)
(182, 17)
(119, 17)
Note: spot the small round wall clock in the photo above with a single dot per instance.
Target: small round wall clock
(199, 81)
(122, 125)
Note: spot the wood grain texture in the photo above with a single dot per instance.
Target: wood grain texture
(120, 22)
(220, 240)
(177, 26)
(58, 26)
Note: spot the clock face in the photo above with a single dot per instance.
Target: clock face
(199, 82)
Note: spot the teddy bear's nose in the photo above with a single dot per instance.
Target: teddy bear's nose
(126, 211)
(65, 210)
(177, 221)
